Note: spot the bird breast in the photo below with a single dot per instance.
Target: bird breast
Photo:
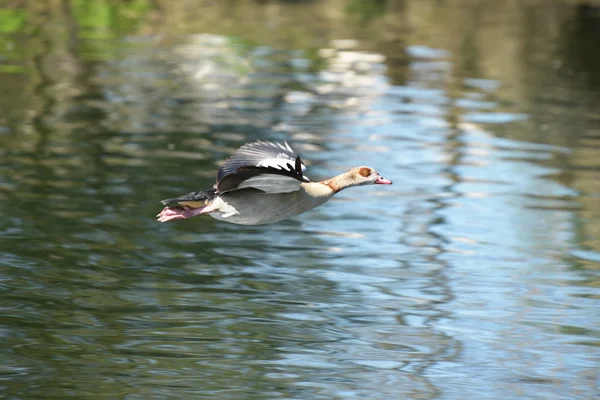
(253, 207)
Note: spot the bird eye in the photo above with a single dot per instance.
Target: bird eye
(365, 172)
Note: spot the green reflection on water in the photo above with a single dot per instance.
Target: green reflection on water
(11, 20)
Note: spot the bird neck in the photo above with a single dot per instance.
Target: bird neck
(318, 189)
(341, 182)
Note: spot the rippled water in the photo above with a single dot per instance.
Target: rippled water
(474, 276)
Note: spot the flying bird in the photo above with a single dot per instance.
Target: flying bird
(264, 182)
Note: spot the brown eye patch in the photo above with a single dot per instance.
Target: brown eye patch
(364, 172)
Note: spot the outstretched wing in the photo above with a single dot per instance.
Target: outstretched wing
(266, 166)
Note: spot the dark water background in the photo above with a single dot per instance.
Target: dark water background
(476, 275)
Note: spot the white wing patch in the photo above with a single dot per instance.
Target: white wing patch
(281, 162)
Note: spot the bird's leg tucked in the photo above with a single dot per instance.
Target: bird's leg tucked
(181, 212)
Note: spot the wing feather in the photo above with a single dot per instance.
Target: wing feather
(267, 166)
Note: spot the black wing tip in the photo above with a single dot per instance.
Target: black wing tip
(298, 168)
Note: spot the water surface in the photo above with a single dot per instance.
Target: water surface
(476, 275)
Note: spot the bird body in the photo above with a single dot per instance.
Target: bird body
(263, 183)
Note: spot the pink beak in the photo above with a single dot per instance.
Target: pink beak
(382, 181)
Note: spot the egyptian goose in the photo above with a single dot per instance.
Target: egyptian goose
(262, 183)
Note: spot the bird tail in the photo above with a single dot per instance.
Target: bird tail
(202, 198)
(187, 206)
